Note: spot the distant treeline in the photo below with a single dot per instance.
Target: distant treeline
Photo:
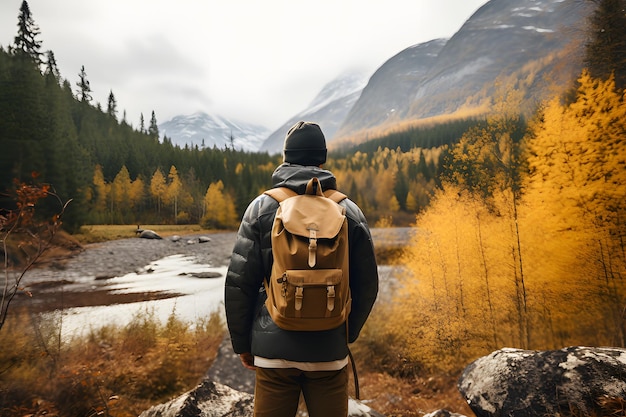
(444, 134)
(48, 128)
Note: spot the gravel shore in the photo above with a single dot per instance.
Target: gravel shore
(81, 279)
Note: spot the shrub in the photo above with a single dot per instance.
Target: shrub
(111, 371)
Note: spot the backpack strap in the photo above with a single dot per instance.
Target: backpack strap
(335, 195)
(281, 193)
(314, 187)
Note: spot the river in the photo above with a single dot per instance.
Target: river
(193, 287)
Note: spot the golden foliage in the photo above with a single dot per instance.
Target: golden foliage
(220, 208)
(372, 180)
(101, 189)
(535, 261)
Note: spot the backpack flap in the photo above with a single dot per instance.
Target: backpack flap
(313, 218)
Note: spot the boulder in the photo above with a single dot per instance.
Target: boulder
(443, 413)
(209, 399)
(571, 381)
(149, 234)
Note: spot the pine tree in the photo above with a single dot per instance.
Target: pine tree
(111, 105)
(153, 130)
(26, 42)
(52, 70)
(606, 50)
(23, 122)
(84, 88)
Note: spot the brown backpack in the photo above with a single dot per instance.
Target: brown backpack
(309, 288)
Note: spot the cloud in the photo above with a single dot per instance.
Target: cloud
(256, 61)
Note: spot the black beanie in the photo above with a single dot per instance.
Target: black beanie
(305, 145)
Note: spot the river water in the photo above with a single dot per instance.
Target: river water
(193, 298)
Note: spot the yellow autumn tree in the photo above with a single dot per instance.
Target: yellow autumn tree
(458, 299)
(411, 202)
(137, 193)
(121, 193)
(577, 191)
(385, 182)
(536, 260)
(158, 188)
(220, 208)
(173, 191)
(101, 190)
(467, 293)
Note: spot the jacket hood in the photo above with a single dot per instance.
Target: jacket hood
(296, 177)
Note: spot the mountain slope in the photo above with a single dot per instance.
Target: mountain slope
(390, 89)
(328, 109)
(505, 45)
(206, 131)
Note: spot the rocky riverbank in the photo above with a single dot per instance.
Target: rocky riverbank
(79, 278)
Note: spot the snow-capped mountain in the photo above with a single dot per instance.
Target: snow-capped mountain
(530, 46)
(208, 131)
(329, 109)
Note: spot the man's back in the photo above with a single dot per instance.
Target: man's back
(280, 354)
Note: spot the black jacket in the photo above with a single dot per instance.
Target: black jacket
(250, 326)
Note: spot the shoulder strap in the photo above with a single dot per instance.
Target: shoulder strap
(335, 195)
(281, 193)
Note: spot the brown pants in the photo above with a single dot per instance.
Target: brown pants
(277, 392)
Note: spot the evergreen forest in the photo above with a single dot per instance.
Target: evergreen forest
(117, 173)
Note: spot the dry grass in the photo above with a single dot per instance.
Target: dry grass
(395, 386)
(111, 372)
(410, 397)
(101, 233)
(124, 371)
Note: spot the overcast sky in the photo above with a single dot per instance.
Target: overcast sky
(257, 61)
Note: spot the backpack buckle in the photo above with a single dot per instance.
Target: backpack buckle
(330, 298)
(298, 301)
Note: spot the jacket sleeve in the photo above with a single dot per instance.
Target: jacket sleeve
(244, 279)
(363, 272)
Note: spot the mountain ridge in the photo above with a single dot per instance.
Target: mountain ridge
(329, 108)
(523, 51)
(505, 45)
(203, 130)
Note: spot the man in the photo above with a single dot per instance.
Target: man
(290, 362)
